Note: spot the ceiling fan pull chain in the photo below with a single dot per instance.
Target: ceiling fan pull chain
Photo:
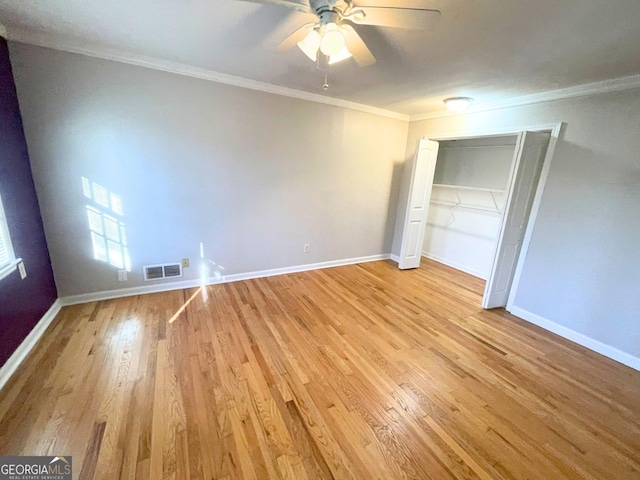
(326, 74)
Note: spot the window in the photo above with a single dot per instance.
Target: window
(8, 260)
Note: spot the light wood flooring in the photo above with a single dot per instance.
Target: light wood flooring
(360, 372)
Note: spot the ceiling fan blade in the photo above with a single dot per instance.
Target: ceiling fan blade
(297, 36)
(356, 46)
(409, 18)
(300, 5)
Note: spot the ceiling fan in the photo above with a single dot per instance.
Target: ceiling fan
(334, 33)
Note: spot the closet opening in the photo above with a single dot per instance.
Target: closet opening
(470, 205)
(467, 202)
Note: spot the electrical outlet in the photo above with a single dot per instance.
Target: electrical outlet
(185, 263)
(306, 248)
(122, 275)
(23, 271)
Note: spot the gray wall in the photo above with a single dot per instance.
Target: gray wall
(582, 270)
(253, 176)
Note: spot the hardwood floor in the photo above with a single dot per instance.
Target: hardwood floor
(360, 372)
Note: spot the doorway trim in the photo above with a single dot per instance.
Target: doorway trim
(556, 130)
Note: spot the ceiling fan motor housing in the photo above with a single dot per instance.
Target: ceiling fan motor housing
(329, 16)
(322, 4)
(327, 11)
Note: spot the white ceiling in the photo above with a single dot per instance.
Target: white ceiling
(491, 50)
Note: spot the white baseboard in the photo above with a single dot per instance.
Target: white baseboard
(165, 287)
(579, 338)
(14, 361)
(455, 265)
(395, 258)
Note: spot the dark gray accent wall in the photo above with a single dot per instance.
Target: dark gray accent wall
(22, 302)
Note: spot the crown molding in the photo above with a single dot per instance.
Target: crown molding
(606, 86)
(49, 41)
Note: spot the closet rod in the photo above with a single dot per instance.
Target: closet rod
(469, 207)
(444, 147)
(465, 187)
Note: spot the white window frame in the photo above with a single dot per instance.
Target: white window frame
(12, 264)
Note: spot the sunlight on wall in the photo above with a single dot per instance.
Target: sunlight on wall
(108, 234)
(210, 271)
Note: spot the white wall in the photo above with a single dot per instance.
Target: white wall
(482, 162)
(251, 175)
(582, 270)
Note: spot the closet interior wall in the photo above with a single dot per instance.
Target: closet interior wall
(467, 202)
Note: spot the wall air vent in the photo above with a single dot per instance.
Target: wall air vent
(158, 272)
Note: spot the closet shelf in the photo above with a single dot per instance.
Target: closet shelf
(470, 198)
(464, 187)
(468, 207)
(476, 147)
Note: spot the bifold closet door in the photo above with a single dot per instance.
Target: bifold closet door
(527, 165)
(423, 168)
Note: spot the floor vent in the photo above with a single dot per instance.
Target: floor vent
(158, 272)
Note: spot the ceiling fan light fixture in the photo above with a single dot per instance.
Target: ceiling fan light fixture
(311, 44)
(340, 56)
(458, 104)
(333, 40)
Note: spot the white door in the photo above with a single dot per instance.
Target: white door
(525, 173)
(422, 169)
